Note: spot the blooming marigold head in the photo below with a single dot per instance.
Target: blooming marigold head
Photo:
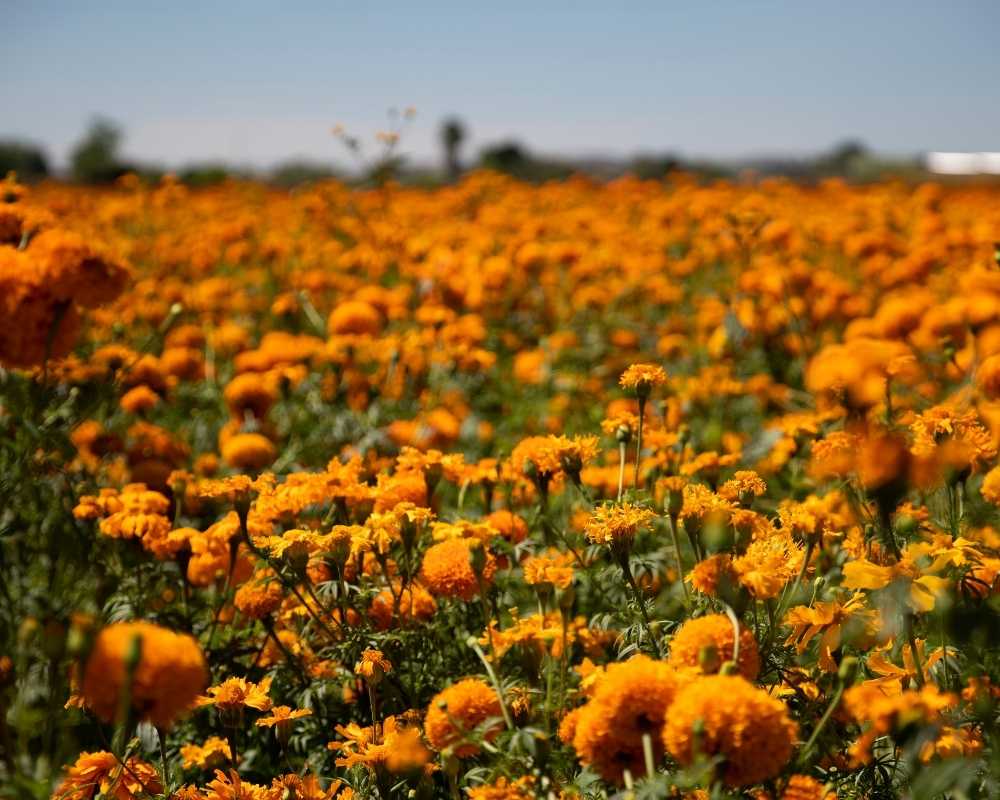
(102, 774)
(617, 523)
(706, 643)
(166, 678)
(249, 451)
(448, 568)
(630, 700)
(641, 378)
(373, 666)
(727, 716)
(457, 711)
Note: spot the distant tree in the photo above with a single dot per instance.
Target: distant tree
(844, 159)
(653, 166)
(95, 158)
(512, 159)
(452, 136)
(25, 159)
(206, 174)
(297, 172)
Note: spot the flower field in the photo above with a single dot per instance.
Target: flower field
(499, 491)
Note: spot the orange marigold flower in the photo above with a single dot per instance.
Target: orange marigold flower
(213, 753)
(448, 570)
(743, 487)
(415, 603)
(457, 711)
(803, 787)
(504, 789)
(710, 572)
(990, 488)
(354, 317)
(373, 666)
(631, 699)
(725, 715)
(260, 596)
(101, 773)
(250, 392)
(234, 694)
(706, 643)
(510, 526)
(249, 451)
(166, 679)
(641, 378)
(553, 568)
(616, 524)
(139, 400)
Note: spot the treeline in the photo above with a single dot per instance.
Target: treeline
(97, 159)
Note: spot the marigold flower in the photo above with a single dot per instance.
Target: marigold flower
(414, 603)
(102, 774)
(166, 679)
(259, 597)
(725, 715)
(447, 569)
(631, 699)
(641, 378)
(706, 643)
(617, 524)
(234, 694)
(457, 711)
(511, 527)
(373, 666)
(213, 753)
(249, 451)
(504, 789)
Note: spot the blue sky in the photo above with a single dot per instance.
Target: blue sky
(255, 82)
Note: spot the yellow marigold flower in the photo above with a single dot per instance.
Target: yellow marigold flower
(397, 746)
(234, 694)
(743, 487)
(641, 378)
(613, 524)
(280, 719)
(448, 570)
(725, 715)
(249, 451)
(769, 564)
(373, 666)
(827, 618)
(213, 753)
(706, 643)
(631, 699)
(457, 711)
(103, 774)
(166, 679)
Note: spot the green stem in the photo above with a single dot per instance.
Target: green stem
(677, 553)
